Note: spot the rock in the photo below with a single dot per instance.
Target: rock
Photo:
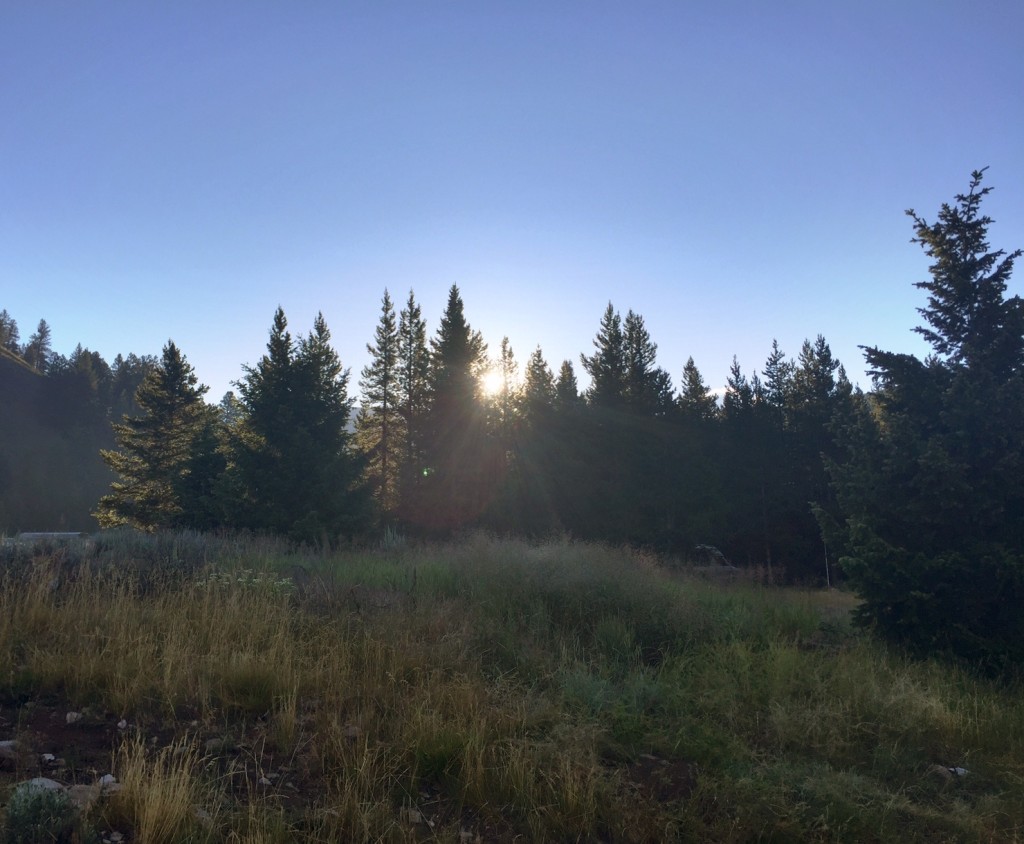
(48, 758)
(73, 717)
(107, 779)
(116, 838)
(44, 783)
(122, 724)
(264, 781)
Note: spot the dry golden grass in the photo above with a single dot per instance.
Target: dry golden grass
(512, 690)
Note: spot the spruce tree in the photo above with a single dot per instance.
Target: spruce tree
(931, 478)
(456, 455)
(9, 335)
(166, 455)
(413, 395)
(648, 388)
(696, 400)
(294, 471)
(380, 429)
(37, 351)
(507, 402)
(539, 392)
(607, 365)
(567, 391)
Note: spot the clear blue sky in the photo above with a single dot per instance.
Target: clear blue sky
(733, 171)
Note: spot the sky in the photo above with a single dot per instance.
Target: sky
(735, 172)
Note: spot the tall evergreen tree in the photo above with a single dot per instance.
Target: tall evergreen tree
(567, 391)
(9, 336)
(158, 453)
(37, 351)
(738, 399)
(696, 400)
(647, 389)
(506, 402)
(413, 394)
(455, 450)
(607, 365)
(380, 429)
(539, 393)
(778, 376)
(295, 473)
(931, 482)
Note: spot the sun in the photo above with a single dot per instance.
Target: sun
(491, 383)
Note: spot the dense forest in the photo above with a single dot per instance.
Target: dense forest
(793, 470)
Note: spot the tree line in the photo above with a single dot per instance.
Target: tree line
(913, 490)
(429, 450)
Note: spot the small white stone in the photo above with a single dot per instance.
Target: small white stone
(72, 717)
(264, 781)
(122, 724)
(48, 757)
(116, 837)
(108, 779)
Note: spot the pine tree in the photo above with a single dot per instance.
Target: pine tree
(294, 471)
(334, 502)
(567, 391)
(380, 429)
(647, 389)
(739, 395)
(37, 351)
(413, 392)
(778, 375)
(539, 392)
(696, 400)
(931, 479)
(607, 365)
(455, 450)
(162, 453)
(263, 476)
(9, 336)
(507, 401)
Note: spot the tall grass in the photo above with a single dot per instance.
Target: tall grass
(496, 688)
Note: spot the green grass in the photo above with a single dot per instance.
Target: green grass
(497, 688)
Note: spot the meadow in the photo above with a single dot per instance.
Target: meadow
(485, 690)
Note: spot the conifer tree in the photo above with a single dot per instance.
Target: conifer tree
(738, 400)
(539, 393)
(607, 365)
(696, 400)
(163, 453)
(506, 402)
(931, 480)
(380, 430)
(455, 450)
(413, 392)
(9, 335)
(567, 391)
(294, 472)
(37, 351)
(647, 389)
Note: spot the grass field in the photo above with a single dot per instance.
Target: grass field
(486, 690)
